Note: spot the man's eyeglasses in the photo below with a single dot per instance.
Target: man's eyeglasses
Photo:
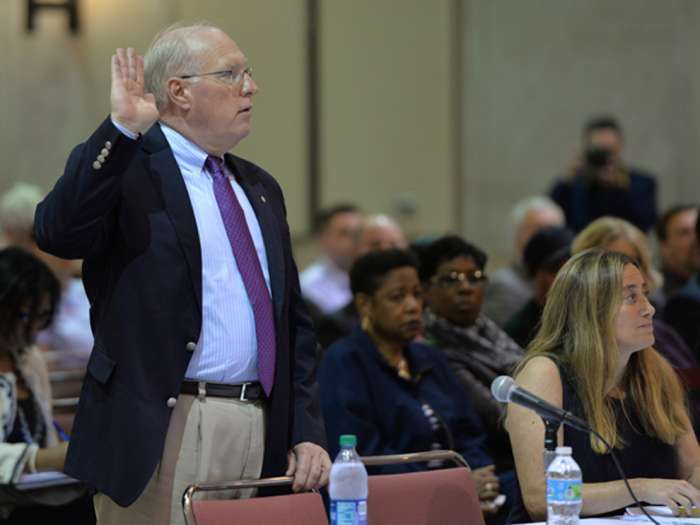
(455, 279)
(231, 77)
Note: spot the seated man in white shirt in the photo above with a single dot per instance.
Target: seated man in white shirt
(325, 284)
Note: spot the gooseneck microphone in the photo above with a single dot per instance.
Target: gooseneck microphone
(505, 390)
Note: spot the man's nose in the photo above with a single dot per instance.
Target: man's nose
(250, 88)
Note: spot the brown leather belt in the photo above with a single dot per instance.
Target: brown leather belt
(243, 391)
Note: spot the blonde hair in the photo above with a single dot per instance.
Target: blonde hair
(578, 333)
(172, 52)
(601, 232)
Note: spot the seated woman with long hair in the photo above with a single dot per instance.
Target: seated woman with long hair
(395, 394)
(594, 357)
(618, 235)
(29, 293)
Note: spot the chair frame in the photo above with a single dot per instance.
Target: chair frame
(417, 457)
(413, 457)
(188, 495)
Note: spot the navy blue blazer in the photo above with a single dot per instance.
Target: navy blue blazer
(131, 220)
(583, 202)
(361, 394)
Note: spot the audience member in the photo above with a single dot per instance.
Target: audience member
(678, 247)
(682, 310)
(325, 284)
(29, 294)
(593, 357)
(453, 275)
(17, 215)
(69, 337)
(379, 232)
(545, 253)
(510, 288)
(601, 184)
(397, 395)
(376, 232)
(618, 235)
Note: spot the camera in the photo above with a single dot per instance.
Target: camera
(597, 157)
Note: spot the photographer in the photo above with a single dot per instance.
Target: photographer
(600, 184)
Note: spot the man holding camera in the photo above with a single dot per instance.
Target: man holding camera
(601, 185)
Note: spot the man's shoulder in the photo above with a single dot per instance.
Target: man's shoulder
(641, 177)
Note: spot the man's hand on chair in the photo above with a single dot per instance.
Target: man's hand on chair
(310, 466)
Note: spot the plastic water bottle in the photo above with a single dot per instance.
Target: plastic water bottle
(563, 489)
(348, 485)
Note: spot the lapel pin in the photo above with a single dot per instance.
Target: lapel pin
(262, 198)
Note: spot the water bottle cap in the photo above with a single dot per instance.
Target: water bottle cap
(348, 440)
(563, 451)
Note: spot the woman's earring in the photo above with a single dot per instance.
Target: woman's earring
(365, 324)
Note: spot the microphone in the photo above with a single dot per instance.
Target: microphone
(505, 390)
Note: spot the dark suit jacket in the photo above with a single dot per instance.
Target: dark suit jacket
(584, 201)
(132, 222)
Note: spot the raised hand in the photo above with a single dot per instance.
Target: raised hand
(131, 106)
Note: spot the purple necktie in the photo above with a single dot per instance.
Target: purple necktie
(249, 267)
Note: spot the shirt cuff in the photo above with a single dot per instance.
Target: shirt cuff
(125, 131)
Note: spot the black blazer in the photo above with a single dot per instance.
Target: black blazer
(130, 218)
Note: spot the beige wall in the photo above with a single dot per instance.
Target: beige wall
(532, 72)
(385, 107)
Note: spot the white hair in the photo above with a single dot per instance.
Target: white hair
(17, 206)
(535, 203)
(172, 52)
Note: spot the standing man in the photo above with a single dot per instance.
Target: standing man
(203, 365)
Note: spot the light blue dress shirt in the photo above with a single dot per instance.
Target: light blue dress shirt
(227, 348)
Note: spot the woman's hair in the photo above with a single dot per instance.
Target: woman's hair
(24, 282)
(445, 249)
(601, 232)
(368, 272)
(578, 332)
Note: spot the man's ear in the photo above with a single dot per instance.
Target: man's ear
(179, 93)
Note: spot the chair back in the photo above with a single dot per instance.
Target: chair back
(446, 496)
(291, 509)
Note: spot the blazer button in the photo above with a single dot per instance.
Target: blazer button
(190, 347)
(171, 402)
(104, 152)
(96, 165)
(101, 158)
(108, 145)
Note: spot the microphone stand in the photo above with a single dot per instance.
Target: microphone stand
(551, 427)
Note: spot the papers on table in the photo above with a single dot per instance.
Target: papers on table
(49, 478)
(661, 513)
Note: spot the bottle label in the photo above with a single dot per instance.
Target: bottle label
(563, 491)
(349, 512)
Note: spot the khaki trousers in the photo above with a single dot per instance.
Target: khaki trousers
(208, 439)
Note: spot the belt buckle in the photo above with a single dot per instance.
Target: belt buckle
(243, 389)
